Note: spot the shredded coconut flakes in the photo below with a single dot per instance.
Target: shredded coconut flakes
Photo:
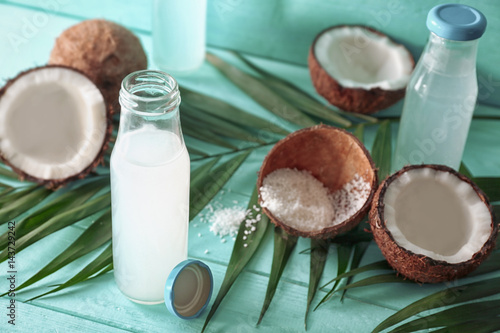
(304, 203)
(226, 221)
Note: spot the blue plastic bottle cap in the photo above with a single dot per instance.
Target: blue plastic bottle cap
(456, 22)
(188, 289)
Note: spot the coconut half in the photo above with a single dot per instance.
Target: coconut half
(54, 125)
(432, 223)
(359, 69)
(334, 157)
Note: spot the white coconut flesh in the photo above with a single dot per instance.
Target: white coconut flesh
(436, 214)
(359, 58)
(52, 123)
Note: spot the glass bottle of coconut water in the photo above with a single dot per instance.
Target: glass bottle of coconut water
(179, 33)
(441, 95)
(149, 186)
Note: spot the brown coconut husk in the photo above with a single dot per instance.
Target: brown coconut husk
(417, 267)
(356, 100)
(333, 156)
(54, 184)
(105, 51)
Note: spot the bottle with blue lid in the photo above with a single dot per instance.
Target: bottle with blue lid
(442, 92)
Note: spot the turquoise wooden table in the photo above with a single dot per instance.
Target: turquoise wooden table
(276, 35)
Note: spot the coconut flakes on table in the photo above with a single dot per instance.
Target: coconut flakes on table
(226, 221)
(301, 200)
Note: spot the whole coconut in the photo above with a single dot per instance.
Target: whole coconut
(105, 51)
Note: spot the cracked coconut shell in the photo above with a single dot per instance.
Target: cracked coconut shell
(105, 51)
(418, 263)
(359, 69)
(331, 155)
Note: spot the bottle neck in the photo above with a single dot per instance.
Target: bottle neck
(455, 58)
(150, 98)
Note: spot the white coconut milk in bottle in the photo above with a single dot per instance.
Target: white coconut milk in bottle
(149, 187)
(441, 95)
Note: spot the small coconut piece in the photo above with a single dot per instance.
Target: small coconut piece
(105, 51)
(332, 156)
(54, 125)
(359, 69)
(432, 223)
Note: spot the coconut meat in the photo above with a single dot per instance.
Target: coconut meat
(359, 58)
(52, 123)
(436, 214)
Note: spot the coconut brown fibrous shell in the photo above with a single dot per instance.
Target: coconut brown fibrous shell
(356, 100)
(417, 267)
(333, 156)
(54, 184)
(105, 51)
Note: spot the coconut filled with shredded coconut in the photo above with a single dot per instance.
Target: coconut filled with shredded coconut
(304, 203)
(317, 182)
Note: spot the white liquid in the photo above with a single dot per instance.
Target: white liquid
(150, 203)
(436, 118)
(179, 34)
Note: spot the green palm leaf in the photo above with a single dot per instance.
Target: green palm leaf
(379, 265)
(200, 172)
(304, 102)
(450, 296)
(60, 221)
(260, 93)
(458, 315)
(13, 194)
(343, 256)
(377, 279)
(319, 253)
(207, 186)
(479, 326)
(93, 237)
(4, 190)
(196, 129)
(359, 252)
(31, 197)
(226, 111)
(68, 200)
(283, 247)
(382, 150)
(100, 265)
(243, 251)
(359, 132)
(8, 173)
(220, 126)
(196, 151)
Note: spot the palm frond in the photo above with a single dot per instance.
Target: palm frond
(318, 256)
(205, 187)
(97, 234)
(244, 248)
(284, 244)
(100, 265)
(260, 93)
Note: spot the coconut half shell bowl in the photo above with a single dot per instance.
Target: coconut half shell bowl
(359, 69)
(334, 157)
(432, 224)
